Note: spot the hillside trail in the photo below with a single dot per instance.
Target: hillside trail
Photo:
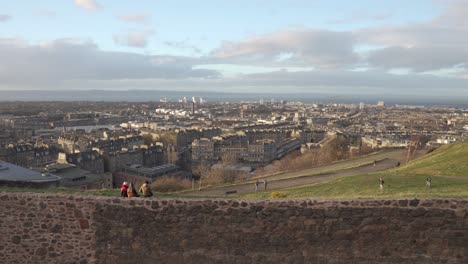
(303, 178)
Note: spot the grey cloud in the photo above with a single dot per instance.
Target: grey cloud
(323, 81)
(306, 47)
(349, 82)
(65, 60)
(141, 18)
(437, 44)
(4, 18)
(440, 43)
(183, 45)
(419, 58)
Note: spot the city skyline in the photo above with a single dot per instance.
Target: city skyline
(361, 47)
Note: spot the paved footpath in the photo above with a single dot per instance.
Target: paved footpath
(397, 154)
(310, 176)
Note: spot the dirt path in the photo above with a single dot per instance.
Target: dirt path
(302, 178)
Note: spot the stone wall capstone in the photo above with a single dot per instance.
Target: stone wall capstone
(40, 228)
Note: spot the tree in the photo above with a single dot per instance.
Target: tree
(168, 138)
(148, 139)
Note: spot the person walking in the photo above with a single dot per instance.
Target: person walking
(428, 181)
(381, 181)
(124, 190)
(265, 184)
(145, 189)
(256, 185)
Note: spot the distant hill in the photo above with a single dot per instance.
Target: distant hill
(448, 160)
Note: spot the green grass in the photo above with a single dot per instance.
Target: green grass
(448, 167)
(367, 186)
(448, 160)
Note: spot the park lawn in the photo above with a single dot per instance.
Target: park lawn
(367, 186)
(448, 160)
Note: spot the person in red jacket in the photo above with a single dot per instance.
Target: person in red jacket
(124, 190)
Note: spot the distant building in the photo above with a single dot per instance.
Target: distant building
(89, 160)
(272, 134)
(380, 103)
(203, 150)
(71, 142)
(27, 155)
(309, 146)
(145, 155)
(262, 151)
(15, 176)
(151, 172)
(234, 149)
(75, 177)
(186, 137)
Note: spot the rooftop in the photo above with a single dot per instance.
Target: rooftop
(10, 172)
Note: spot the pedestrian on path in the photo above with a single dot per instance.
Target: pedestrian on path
(428, 181)
(265, 184)
(256, 185)
(381, 181)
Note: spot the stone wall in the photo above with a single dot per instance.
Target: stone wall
(46, 229)
(76, 229)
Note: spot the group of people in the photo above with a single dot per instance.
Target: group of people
(128, 190)
(257, 183)
(382, 182)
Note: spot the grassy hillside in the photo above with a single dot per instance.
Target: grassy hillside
(367, 186)
(448, 167)
(448, 160)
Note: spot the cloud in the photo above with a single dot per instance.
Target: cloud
(183, 45)
(349, 82)
(134, 38)
(140, 18)
(419, 58)
(437, 44)
(88, 4)
(332, 82)
(4, 18)
(323, 60)
(68, 60)
(74, 64)
(304, 47)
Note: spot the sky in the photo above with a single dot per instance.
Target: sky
(396, 47)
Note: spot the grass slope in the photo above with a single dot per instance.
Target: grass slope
(448, 167)
(448, 160)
